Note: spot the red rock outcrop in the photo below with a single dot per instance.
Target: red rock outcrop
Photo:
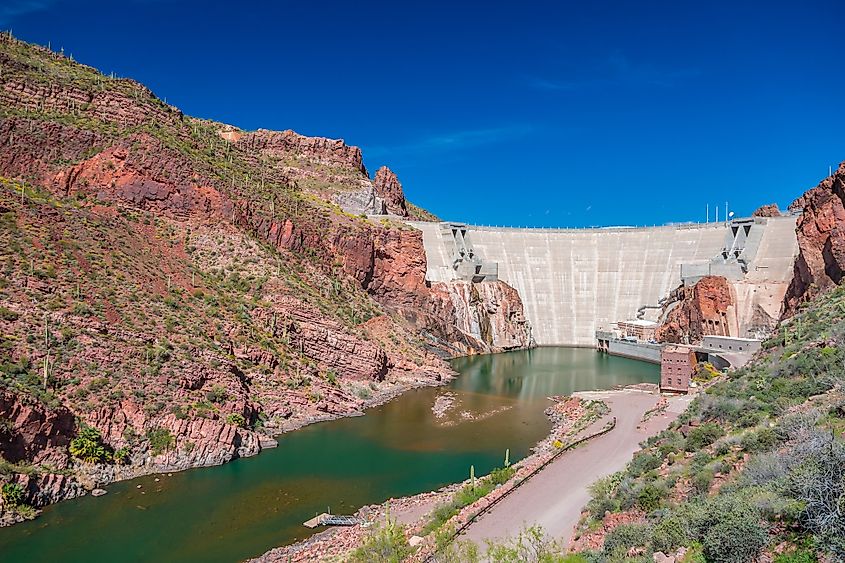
(769, 210)
(821, 240)
(34, 433)
(291, 145)
(388, 188)
(706, 308)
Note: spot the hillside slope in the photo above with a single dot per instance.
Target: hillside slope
(172, 290)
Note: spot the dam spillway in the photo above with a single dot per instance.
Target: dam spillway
(575, 281)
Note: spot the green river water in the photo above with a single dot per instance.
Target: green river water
(241, 509)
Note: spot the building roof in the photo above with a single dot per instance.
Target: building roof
(639, 322)
(677, 349)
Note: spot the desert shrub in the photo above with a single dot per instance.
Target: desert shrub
(12, 494)
(530, 546)
(88, 447)
(797, 556)
(818, 483)
(650, 497)
(673, 441)
(763, 469)
(737, 537)
(8, 314)
(160, 440)
(761, 440)
(385, 544)
(217, 394)
(643, 462)
(626, 536)
(236, 419)
(670, 533)
(603, 493)
(121, 455)
(501, 475)
(702, 480)
(702, 436)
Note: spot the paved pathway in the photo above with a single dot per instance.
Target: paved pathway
(554, 497)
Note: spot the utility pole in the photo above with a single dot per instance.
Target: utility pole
(717, 213)
(708, 214)
(726, 213)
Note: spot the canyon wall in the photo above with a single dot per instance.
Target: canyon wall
(821, 239)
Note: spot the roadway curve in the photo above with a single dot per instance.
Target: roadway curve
(554, 497)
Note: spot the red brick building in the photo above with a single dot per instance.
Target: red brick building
(677, 365)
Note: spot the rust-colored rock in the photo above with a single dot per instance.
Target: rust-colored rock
(769, 210)
(821, 240)
(706, 308)
(388, 188)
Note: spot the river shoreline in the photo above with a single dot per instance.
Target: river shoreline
(577, 419)
(97, 477)
(571, 417)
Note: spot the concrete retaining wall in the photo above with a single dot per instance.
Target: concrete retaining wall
(636, 350)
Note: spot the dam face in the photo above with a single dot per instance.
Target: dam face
(575, 281)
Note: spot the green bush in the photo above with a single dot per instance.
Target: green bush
(702, 480)
(702, 436)
(236, 419)
(12, 494)
(385, 544)
(736, 538)
(217, 394)
(88, 447)
(643, 462)
(501, 475)
(670, 533)
(8, 314)
(160, 440)
(121, 455)
(797, 556)
(650, 497)
(603, 492)
(626, 536)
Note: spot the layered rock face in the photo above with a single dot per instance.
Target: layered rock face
(821, 240)
(197, 281)
(706, 308)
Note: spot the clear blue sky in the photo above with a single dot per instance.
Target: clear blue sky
(544, 114)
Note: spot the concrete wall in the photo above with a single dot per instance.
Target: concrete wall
(574, 281)
(636, 350)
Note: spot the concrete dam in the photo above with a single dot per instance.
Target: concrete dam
(575, 281)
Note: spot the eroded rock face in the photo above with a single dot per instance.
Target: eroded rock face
(388, 188)
(491, 313)
(821, 240)
(33, 432)
(769, 210)
(706, 308)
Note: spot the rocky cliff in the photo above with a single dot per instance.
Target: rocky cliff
(186, 288)
(706, 308)
(821, 240)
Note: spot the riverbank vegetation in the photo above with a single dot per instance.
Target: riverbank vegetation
(756, 465)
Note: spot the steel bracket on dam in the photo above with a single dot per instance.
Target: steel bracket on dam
(575, 281)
